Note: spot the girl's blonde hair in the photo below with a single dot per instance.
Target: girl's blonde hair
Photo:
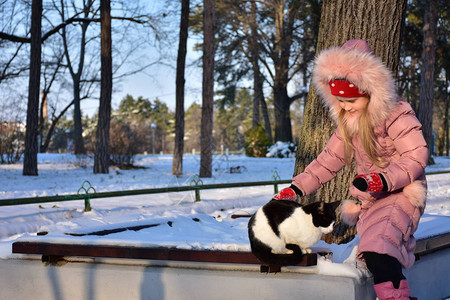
(366, 135)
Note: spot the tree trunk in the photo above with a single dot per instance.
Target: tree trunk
(76, 78)
(427, 74)
(31, 142)
(43, 118)
(265, 113)
(259, 104)
(257, 95)
(254, 59)
(284, 24)
(446, 122)
(77, 126)
(177, 164)
(282, 102)
(101, 160)
(380, 24)
(207, 90)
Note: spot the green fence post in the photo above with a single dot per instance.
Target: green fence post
(275, 178)
(86, 189)
(196, 182)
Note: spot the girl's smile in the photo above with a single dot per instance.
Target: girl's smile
(353, 106)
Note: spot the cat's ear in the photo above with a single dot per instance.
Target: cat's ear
(321, 207)
(335, 204)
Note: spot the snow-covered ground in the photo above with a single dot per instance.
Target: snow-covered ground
(184, 223)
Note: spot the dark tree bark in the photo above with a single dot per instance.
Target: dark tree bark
(284, 26)
(101, 160)
(259, 104)
(425, 114)
(265, 113)
(258, 94)
(31, 142)
(254, 60)
(206, 140)
(380, 24)
(446, 123)
(77, 125)
(177, 164)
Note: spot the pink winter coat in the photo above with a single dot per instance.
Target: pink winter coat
(387, 220)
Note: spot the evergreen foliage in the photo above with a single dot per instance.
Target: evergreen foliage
(256, 142)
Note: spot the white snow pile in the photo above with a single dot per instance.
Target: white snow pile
(282, 150)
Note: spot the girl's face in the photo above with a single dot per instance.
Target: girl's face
(353, 106)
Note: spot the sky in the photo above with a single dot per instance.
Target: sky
(161, 84)
(194, 225)
(158, 81)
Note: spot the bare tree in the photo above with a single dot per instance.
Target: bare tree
(8, 68)
(281, 53)
(101, 159)
(76, 70)
(177, 165)
(425, 114)
(207, 89)
(31, 143)
(379, 23)
(259, 103)
(48, 82)
(81, 60)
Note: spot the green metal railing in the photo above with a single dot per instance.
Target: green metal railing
(87, 192)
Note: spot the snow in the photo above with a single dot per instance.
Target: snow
(182, 222)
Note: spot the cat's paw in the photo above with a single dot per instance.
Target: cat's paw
(307, 250)
(287, 251)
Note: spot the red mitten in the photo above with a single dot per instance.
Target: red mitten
(372, 182)
(289, 193)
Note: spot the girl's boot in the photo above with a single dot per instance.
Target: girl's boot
(386, 291)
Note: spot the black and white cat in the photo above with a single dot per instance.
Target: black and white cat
(282, 230)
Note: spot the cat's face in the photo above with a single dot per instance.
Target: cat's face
(328, 229)
(323, 214)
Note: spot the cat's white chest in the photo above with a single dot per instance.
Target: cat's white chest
(299, 229)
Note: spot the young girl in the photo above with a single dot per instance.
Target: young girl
(379, 130)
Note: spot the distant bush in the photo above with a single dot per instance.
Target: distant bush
(11, 142)
(256, 142)
(282, 150)
(122, 145)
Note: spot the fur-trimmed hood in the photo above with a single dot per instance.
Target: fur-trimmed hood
(355, 62)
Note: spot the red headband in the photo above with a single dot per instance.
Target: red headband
(345, 88)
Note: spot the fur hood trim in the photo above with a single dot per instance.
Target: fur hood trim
(355, 62)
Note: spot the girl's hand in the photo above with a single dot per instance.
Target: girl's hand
(372, 182)
(289, 193)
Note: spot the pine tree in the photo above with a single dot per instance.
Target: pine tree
(207, 144)
(177, 166)
(101, 160)
(31, 142)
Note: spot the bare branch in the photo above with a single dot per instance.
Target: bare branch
(144, 19)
